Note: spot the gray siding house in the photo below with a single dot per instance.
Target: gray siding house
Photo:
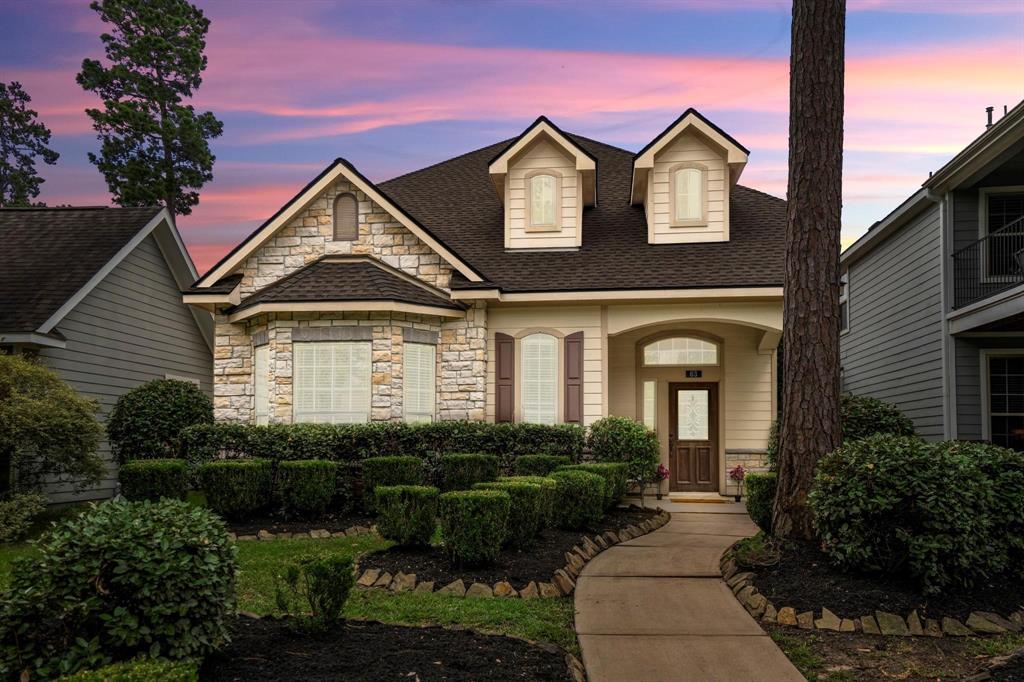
(95, 294)
(933, 297)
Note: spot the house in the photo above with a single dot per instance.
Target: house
(95, 294)
(933, 297)
(549, 278)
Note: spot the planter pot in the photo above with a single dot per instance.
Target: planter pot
(738, 497)
(659, 496)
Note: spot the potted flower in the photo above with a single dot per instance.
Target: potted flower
(738, 475)
(660, 475)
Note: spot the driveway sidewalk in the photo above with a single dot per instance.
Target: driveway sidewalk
(655, 609)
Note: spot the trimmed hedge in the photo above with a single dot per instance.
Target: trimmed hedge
(620, 439)
(473, 524)
(579, 500)
(761, 498)
(306, 486)
(862, 416)
(237, 489)
(146, 422)
(153, 479)
(389, 471)
(548, 496)
(539, 465)
(407, 514)
(462, 471)
(615, 475)
(525, 515)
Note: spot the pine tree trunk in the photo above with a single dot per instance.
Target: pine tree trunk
(810, 393)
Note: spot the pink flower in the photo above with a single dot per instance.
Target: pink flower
(662, 473)
(737, 473)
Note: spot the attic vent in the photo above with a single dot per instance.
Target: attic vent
(346, 218)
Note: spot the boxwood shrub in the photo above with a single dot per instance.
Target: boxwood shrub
(473, 524)
(239, 488)
(615, 475)
(526, 513)
(548, 496)
(306, 486)
(146, 422)
(539, 465)
(121, 579)
(318, 584)
(620, 439)
(579, 499)
(389, 471)
(407, 514)
(761, 498)
(862, 416)
(462, 471)
(152, 479)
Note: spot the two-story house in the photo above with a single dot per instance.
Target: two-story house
(933, 296)
(549, 278)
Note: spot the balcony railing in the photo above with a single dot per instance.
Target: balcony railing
(991, 265)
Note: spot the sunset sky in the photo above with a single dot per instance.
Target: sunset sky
(393, 86)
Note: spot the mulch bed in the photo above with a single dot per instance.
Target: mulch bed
(279, 524)
(273, 649)
(1013, 671)
(805, 580)
(537, 562)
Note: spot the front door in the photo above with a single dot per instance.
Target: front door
(693, 437)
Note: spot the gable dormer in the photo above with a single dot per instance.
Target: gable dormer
(683, 179)
(544, 179)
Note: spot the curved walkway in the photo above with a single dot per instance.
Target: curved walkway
(655, 608)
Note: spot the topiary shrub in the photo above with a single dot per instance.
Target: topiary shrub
(146, 422)
(153, 479)
(407, 514)
(140, 670)
(379, 471)
(615, 475)
(473, 524)
(238, 488)
(579, 499)
(526, 513)
(620, 439)
(463, 471)
(539, 465)
(322, 582)
(862, 416)
(761, 498)
(17, 512)
(124, 578)
(306, 486)
(548, 496)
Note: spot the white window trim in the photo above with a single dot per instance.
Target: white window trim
(987, 354)
(295, 377)
(529, 225)
(432, 415)
(702, 221)
(716, 344)
(844, 297)
(559, 374)
(983, 195)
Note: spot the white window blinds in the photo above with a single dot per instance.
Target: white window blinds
(261, 377)
(542, 200)
(689, 185)
(540, 379)
(332, 382)
(418, 379)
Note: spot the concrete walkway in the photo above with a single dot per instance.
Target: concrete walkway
(655, 609)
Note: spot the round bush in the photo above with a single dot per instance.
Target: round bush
(615, 475)
(146, 422)
(863, 416)
(761, 498)
(620, 439)
(526, 513)
(153, 479)
(473, 525)
(318, 584)
(548, 496)
(539, 465)
(124, 578)
(407, 514)
(306, 486)
(237, 488)
(379, 471)
(579, 500)
(463, 471)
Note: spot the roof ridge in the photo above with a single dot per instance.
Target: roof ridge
(603, 144)
(444, 161)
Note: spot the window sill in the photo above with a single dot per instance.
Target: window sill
(690, 223)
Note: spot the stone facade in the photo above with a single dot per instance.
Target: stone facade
(463, 358)
(752, 461)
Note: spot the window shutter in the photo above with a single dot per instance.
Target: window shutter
(574, 378)
(504, 377)
(261, 394)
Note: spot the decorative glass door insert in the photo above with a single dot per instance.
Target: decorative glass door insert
(692, 414)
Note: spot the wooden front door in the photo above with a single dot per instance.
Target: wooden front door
(693, 437)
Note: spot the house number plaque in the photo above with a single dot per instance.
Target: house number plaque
(694, 373)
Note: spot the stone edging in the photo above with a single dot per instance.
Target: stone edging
(562, 583)
(879, 623)
(315, 534)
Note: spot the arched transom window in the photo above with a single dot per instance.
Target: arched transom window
(543, 209)
(687, 195)
(681, 350)
(346, 218)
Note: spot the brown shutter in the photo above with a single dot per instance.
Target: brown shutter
(504, 377)
(574, 378)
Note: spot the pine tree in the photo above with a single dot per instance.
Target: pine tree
(23, 139)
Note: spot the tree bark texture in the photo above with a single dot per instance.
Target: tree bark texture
(810, 393)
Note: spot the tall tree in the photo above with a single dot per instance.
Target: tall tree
(155, 148)
(810, 394)
(23, 139)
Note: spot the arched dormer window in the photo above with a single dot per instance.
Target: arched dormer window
(688, 194)
(346, 218)
(680, 350)
(543, 192)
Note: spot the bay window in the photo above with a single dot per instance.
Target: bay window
(332, 381)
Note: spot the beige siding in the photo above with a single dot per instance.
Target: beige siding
(689, 148)
(542, 155)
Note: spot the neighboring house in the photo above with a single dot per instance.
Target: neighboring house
(95, 294)
(934, 297)
(549, 279)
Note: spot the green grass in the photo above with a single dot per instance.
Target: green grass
(800, 653)
(995, 646)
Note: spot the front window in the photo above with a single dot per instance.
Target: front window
(542, 201)
(1006, 400)
(681, 350)
(418, 380)
(332, 381)
(540, 379)
(261, 377)
(688, 195)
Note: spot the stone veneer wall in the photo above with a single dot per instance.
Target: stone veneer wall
(752, 461)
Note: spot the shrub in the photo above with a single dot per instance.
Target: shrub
(526, 510)
(140, 670)
(863, 416)
(389, 471)
(124, 578)
(539, 465)
(17, 512)
(462, 471)
(239, 488)
(615, 475)
(579, 500)
(322, 582)
(761, 498)
(407, 514)
(619, 439)
(473, 525)
(152, 479)
(202, 443)
(146, 422)
(548, 496)
(306, 486)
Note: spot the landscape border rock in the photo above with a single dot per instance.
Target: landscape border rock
(314, 534)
